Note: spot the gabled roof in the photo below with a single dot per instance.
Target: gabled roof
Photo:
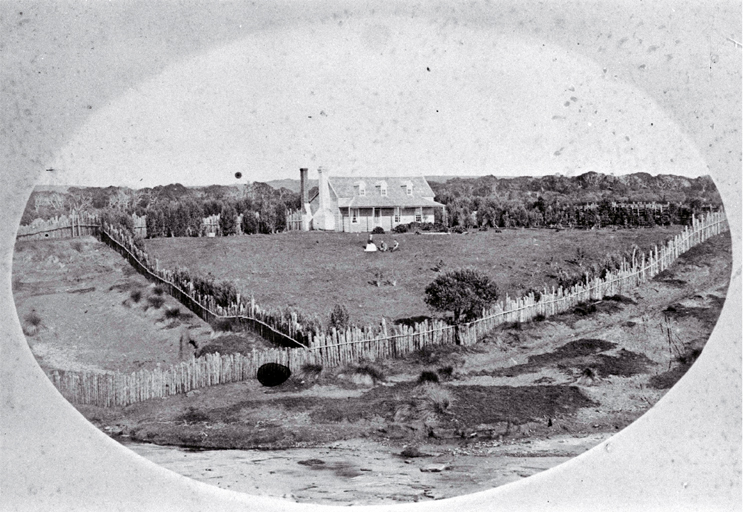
(344, 185)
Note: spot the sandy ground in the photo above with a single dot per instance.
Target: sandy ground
(526, 398)
(362, 472)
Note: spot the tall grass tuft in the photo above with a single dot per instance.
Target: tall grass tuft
(172, 313)
(156, 301)
(428, 376)
(32, 321)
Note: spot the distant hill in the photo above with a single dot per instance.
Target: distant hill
(293, 185)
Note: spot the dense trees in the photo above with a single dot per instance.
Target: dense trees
(586, 201)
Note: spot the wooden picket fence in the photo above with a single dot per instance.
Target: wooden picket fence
(355, 345)
(76, 224)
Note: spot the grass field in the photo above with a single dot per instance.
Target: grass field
(314, 271)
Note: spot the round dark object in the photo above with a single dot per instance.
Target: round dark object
(238, 175)
(273, 374)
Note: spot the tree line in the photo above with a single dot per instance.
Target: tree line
(585, 201)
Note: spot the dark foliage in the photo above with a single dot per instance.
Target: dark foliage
(428, 376)
(466, 293)
(339, 317)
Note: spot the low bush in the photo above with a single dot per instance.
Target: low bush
(192, 415)
(411, 452)
(77, 245)
(33, 319)
(369, 370)
(445, 372)
(172, 313)
(156, 301)
(439, 397)
(379, 230)
(135, 295)
(158, 290)
(311, 369)
(224, 325)
(428, 376)
(339, 318)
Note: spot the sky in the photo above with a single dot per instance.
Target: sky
(371, 97)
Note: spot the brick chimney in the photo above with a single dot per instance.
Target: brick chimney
(303, 186)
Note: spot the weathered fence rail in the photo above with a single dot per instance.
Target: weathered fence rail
(338, 348)
(208, 312)
(76, 224)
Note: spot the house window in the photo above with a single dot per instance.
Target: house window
(354, 216)
(362, 188)
(397, 214)
(418, 214)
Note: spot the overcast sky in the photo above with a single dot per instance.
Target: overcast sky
(374, 97)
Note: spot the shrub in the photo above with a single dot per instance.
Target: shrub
(466, 293)
(33, 319)
(410, 452)
(445, 372)
(158, 290)
(224, 324)
(135, 295)
(339, 317)
(172, 313)
(192, 415)
(428, 376)
(369, 370)
(401, 228)
(439, 397)
(139, 243)
(156, 301)
(379, 230)
(310, 369)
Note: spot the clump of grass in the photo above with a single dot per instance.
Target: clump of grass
(155, 301)
(540, 318)
(410, 452)
(224, 325)
(310, 370)
(77, 245)
(33, 321)
(193, 415)
(158, 290)
(445, 372)
(369, 370)
(428, 376)
(135, 295)
(438, 398)
(172, 313)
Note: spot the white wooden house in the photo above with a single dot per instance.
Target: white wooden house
(357, 204)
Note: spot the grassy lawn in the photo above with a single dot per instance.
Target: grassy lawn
(314, 271)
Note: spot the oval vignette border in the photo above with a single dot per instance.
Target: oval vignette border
(51, 456)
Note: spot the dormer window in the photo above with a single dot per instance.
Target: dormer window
(409, 188)
(362, 188)
(383, 188)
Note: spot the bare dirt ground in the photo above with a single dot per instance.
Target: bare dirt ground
(525, 399)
